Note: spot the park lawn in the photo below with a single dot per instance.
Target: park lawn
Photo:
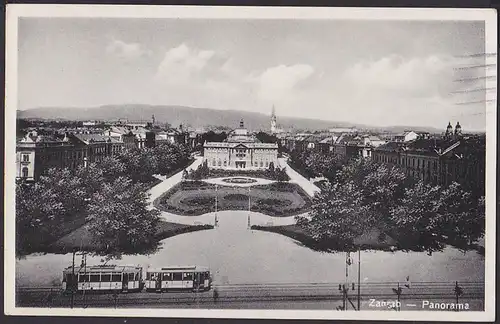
(82, 238)
(192, 198)
(367, 241)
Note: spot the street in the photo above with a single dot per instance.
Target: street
(279, 296)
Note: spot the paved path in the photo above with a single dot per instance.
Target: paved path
(168, 183)
(209, 218)
(297, 178)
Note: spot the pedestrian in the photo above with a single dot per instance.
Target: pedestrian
(50, 298)
(216, 295)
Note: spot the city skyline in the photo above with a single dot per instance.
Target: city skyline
(388, 69)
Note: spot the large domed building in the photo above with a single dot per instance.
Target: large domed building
(241, 150)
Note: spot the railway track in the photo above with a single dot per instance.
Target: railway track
(249, 294)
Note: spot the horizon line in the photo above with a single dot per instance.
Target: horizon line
(352, 124)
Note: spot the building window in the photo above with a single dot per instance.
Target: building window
(26, 158)
(213, 162)
(225, 163)
(25, 172)
(220, 163)
(261, 164)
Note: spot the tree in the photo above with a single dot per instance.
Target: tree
(140, 165)
(432, 216)
(120, 219)
(338, 216)
(67, 187)
(367, 195)
(271, 167)
(39, 214)
(280, 174)
(266, 138)
(321, 164)
(415, 217)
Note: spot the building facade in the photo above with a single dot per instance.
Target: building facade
(241, 150)
(453, 158)
(406, 136)
(36, 153)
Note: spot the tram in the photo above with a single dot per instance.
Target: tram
(193, 278)
(103, 278)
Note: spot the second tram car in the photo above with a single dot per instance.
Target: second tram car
(103, 278)
(178, 278)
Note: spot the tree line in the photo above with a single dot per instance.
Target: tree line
(110, 196)
(364, 195)
(312, 164)
(203, 171)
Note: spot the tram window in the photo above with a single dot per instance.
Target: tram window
(148, 276)
(188, 276)
(116, 277)
(131, 276)
(177, 276)
(106, 277)
(83, 278)
(69, 277)
(167, 276)
(94, 278)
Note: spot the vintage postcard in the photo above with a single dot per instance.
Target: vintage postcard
(247, 162)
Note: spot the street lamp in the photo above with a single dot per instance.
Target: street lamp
(216, 221)
(249, 226)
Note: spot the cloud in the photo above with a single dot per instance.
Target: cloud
(404, 90)
(414, 77)
(276, 83)
(127, 51)
(182, 64)
(204, 77)
(199, 77)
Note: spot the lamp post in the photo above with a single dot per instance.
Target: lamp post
(216, 220)
(249, 226)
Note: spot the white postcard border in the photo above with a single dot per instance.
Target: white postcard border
(15, 11)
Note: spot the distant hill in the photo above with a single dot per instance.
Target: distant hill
(194, 117)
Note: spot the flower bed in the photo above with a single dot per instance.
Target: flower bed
(239, 180)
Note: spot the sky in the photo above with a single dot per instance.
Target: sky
(381, 73)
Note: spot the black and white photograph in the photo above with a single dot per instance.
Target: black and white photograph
(322, 163)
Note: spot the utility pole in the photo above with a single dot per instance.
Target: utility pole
(458, 292)
(398, 292)
(359, 278)
(84, 281)
(73, 281)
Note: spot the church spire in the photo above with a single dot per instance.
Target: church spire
(273, 121)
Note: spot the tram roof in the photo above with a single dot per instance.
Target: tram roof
(178, 268)
(103, 268)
